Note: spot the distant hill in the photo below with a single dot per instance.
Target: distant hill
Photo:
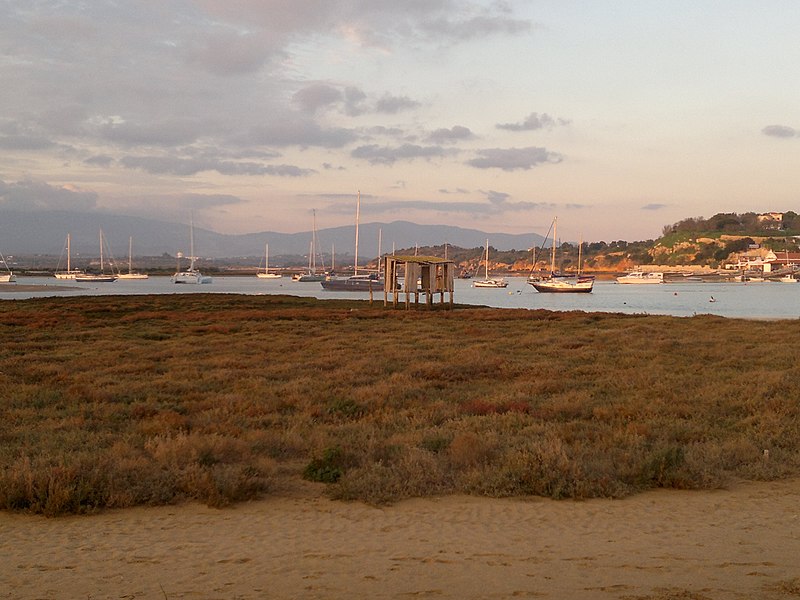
(45, 233)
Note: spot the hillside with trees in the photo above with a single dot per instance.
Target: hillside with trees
(691, 242)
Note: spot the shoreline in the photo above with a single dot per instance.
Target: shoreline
(722, 544)
(34, 287)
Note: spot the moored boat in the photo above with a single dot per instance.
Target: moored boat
(102, 276)
(489, 282)
(354, 283)
(131, 274)
(640, 277)
(8, 276)
(369, 282)
(266, 274)
(562, 283)
(190, 275)
(69, 273)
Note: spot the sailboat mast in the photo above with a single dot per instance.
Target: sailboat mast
(191, 243)
(313, 260)
(68, 253)
(130, 254)
(580, 249)
(380, 236)
(358, 211)
(487, 259)
(101, 250)
(553, 251)
(266, 258)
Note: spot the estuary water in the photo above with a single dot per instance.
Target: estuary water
(762, 300)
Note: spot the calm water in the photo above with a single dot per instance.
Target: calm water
(767, 300)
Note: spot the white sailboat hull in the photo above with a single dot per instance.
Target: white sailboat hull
(490, 283)
(190, 277)
(563, 285)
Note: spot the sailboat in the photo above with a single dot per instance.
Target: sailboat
(70, 273)
(266, 274)
(130, 274)
(311, 274)
(557, 283)
(497, 282)
(102, 276)
(355, 283)
(190, 275)
(9, 276)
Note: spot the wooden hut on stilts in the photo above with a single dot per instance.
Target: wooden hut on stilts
(415, 275)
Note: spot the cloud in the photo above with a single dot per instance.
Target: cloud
(387, 155)
(497, 198)
(354, 101)
(389, 104)
(512, 159)
(475, 27)
(654, 206)
(454, 134)
(99, 160)
(468, 208)
(292, 130)
(184, 167)
(313, 97)
(201, 201)
(533, 122)
(30, 195)
(164, 133)
(227, 53)
(779, 131)
(24, 142)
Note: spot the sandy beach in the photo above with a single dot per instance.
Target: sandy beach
(737, 543)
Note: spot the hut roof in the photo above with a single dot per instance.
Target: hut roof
(419, 259)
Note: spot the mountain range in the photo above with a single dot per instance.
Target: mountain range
(45, 232)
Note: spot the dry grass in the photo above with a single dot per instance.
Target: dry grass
(118, 401)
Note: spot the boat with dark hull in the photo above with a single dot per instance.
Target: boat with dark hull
(354, 283)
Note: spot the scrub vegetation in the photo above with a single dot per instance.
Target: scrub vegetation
(122, 401)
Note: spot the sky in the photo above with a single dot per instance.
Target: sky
(617, 116)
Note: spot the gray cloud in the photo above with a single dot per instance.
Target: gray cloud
(386, 155)
(200, 201)
(464, 207)
(100, 160)
(313, 97)
(533, 122)
(779, 131)
(184, 167)
(512, 159)
(454, 134)
(354, 101)
(33, 195)
(301, 132)
(227, 53)
(654, 206)
(394, 104)
(171, 133)
(25, 142)
(497, 197)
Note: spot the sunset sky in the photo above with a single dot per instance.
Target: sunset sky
(619, 117)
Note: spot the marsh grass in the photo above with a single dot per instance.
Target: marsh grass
(122, 401)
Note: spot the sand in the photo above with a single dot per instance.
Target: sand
(743, 542)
